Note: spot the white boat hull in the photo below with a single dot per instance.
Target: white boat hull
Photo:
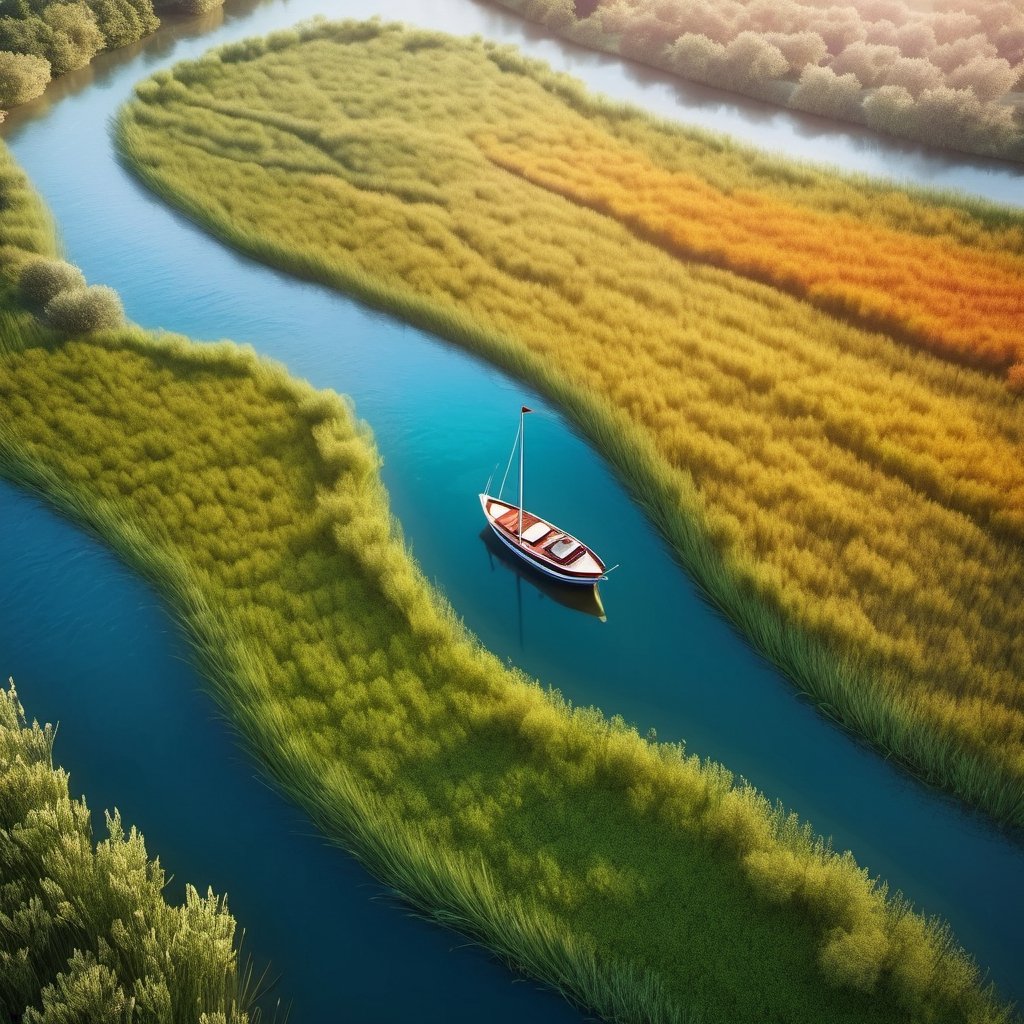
(589, 573)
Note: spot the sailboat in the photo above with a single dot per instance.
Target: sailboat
(536, 541)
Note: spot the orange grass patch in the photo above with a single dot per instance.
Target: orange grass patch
(962, 302)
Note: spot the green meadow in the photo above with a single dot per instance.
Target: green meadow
(851, 498)
(644, 882)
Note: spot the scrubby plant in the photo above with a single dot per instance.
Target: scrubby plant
(85, 932)
(74, 38)
(43, 278)
(23, 77)
(67, 35)
(81, 310)
(821, 91)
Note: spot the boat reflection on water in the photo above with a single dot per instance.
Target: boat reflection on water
(580, 599)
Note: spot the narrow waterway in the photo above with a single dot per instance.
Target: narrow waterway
(442, 420)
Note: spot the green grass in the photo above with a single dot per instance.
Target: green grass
(85, 932)
(638, 879)
(852, 505)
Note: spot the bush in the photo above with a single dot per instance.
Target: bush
(23, 77)
(989, 78)
(694, 56)
(915, 74)
(868, 61)
(195, 6)
(82, 310)
(821, 91)
(123, 21)
(42, 279)
(74, 37)
(799, 48)
(88, 935)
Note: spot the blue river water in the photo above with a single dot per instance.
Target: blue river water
(91, 646)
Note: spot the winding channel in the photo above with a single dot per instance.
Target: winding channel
(91, 646)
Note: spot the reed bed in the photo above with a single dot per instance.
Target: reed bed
(854, 505)
(640, 880)
(85, 931)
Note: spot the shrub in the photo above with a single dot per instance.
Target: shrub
(854, 959)
(695, 56)
(822, 91)
(23, 77)
(799, 48)
(988, 78)
(195, 6)
(123, 21)
(74, 37)
(751, 61)
(42, 279)
(88, 935)
(82, 310)
(868, 61)
(915, 74)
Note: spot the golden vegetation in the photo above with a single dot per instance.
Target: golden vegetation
(639, 879)
(965, 300)
(856, 507)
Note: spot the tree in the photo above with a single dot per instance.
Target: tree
(123, 21)
(915, 74)
(75, 37)
(821, 91)
(988, 77)
(695, 56)
(868, 61)
(23, 77)
(799, 48)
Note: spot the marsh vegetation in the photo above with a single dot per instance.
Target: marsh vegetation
(643, 881)
(86, 933)
(851, 498)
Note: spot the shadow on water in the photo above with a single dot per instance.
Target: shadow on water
(662, 659)
(586, 600)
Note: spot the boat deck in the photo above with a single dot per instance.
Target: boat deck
(545, 542)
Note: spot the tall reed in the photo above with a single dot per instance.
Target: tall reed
(640, 880)
(854, 506)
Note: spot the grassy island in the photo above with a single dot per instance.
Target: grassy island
(807, 379)
(642, 881)
(85, 932)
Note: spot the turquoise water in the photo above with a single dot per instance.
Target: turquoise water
(442, 420)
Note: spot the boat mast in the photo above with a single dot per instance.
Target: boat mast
(522, 454)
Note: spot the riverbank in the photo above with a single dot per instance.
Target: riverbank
(936, 94)
(815, 477)
(254, 503)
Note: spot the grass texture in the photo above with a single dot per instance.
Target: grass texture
(854, 504)
(85, 932)
(640, 880)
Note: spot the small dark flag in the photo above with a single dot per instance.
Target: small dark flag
(525, 409)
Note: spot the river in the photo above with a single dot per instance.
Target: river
(98, 652)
